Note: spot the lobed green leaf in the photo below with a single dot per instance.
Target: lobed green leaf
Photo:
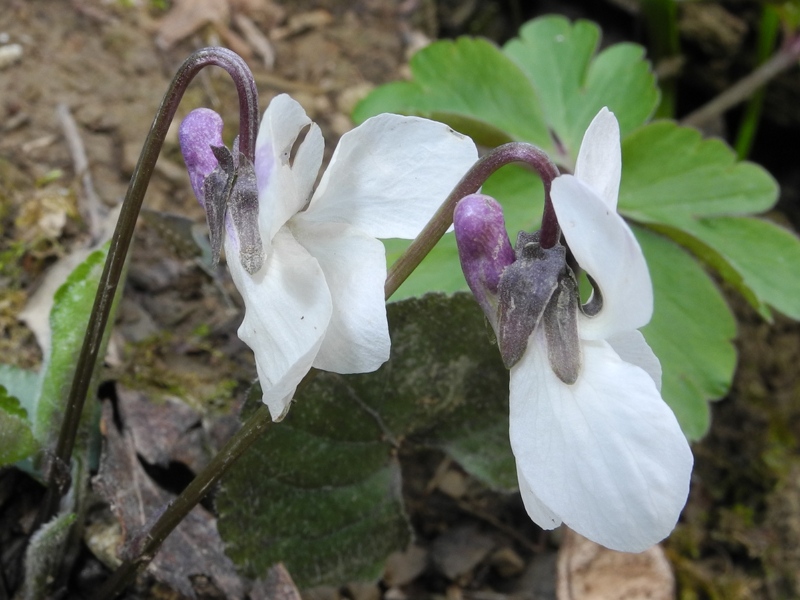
(573, 84)
(691, 332)
(470, 85)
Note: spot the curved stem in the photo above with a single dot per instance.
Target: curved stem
(469, 184)
(120, 242)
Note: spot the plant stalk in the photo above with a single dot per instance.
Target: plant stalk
(120, 242)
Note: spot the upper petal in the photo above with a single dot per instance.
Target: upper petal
(599, 163)
(287, 310)
(285, 171)
(605, 454)
(388, 176)
(606, 249)
(354, 265)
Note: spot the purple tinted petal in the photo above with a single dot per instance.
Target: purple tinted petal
(483, 247)
(199, 131)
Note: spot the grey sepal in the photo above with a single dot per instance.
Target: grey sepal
(525, 289)
(561, 330)
(217, 189)
(243, 207)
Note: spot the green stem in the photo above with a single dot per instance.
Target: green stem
(661, 22)
(744, 88)
(767, 34)
(120, 242)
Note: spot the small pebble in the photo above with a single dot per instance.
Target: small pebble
(9, 54)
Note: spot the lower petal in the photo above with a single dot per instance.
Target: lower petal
(354, 264)
(633, 348)
(605, 454)
(537, 511)
(287, 310)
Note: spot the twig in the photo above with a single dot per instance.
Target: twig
(744, 88)
(94, 211)
(260, 43)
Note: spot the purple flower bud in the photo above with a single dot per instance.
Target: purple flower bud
(199, 131)
(483, 247)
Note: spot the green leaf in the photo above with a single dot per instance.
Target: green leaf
(15, 432)
(45, 554)
(22, 384)
(69, 319)
(694, 190)
(671, 175)
(760, 258)
(469, 84)
(573, 84)
(320, 490)
(691, 332)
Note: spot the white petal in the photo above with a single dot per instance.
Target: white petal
(354, 264)
(284, 185)
(287, 309)
(605, 454)
(388, 176)
(537, 511)
(633, 348)
(599, 163)
(606, 249)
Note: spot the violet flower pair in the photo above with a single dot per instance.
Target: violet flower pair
(596, 446)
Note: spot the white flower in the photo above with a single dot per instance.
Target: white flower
(317, 299)
(604, 455)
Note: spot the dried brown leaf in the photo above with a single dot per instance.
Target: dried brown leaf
(188, 16)
(193, 549)
(588, 571)
(155, 426)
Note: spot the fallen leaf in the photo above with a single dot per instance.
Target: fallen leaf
(193, 548)
(187, 16)
(459, 550)
(155, 426)
(588, 571)
(277, 585)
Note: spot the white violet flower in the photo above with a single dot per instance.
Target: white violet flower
(596, 446)
(307, 261)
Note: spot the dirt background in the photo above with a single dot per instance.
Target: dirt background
(109, 63)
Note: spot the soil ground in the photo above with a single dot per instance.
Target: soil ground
(109, 63)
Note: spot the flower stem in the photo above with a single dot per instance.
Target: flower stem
(744, 88)
(469, 184)
(120, 242)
